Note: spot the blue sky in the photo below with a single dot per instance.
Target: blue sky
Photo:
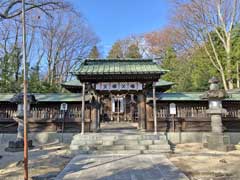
(117, 19)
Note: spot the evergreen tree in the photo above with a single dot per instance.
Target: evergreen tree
(133, 52)
(116, 51)
(94, 53)
(178, 73)
(10, 73)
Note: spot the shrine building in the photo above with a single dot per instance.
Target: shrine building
(120, 90)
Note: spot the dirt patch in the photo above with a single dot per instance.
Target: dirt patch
(43, 160)
(199, 163)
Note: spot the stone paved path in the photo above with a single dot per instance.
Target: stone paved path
(121, 167)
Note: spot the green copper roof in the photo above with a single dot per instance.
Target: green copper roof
(77, 97)
(77, 83)
(51, 97)
(57, 97)
(189, 96)
(74, 82)
(5, 96)
(180, 96)
(119, 66)
(162, 82)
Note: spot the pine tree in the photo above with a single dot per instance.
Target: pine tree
(133, 52)
(94, 53)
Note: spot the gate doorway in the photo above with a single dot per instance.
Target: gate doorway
(119, 108)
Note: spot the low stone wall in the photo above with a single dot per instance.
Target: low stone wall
(40, 138)
(191, 137)
(174, 137)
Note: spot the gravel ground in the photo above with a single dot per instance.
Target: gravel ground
(199, 163)
(195, 161)
(47, 160)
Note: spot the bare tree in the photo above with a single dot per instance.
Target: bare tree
(57, 37)
(159, 41)
(66, 38)
(12, 8)
(203, 19)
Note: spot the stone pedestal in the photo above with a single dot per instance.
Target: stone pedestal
(94, 118)
(18, 145)
(142, 111)
(216, 119)
(218, 142)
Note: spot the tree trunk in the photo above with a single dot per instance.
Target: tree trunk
(229, 64)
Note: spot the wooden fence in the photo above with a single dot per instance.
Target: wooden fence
(191, 117)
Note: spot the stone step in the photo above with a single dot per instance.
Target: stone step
(108, 143)
(135, 147)
(82, 147)
(158, 147)
(161, 141)
(117, 152)
(126, 142)
(129, 137)
(147, 151)
(87, 142)
(145, 142)
(114, 147)
(94, 137)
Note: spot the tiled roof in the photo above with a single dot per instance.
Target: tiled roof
(76, 97)
(51, 97)
(74, 82)
(189, 96)
(162, 82)
(119, 66)
(77, 83)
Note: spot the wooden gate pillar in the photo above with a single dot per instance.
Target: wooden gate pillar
(142, 111)
(83, 107)
(98, 112)
(154, 109)
(94, 117)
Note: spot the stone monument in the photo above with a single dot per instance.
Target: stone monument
(15, 146)
(217, 140)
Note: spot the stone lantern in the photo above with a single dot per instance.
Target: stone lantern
(18, 145)
(216, 140)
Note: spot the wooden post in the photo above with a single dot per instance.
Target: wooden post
(132, 108)
(25, 100)
(118, 108)
(112, 106)
(98, 113)
(83, 107)
(154, 109)
(125, 108)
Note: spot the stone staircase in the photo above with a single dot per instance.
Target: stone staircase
(115, 143)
